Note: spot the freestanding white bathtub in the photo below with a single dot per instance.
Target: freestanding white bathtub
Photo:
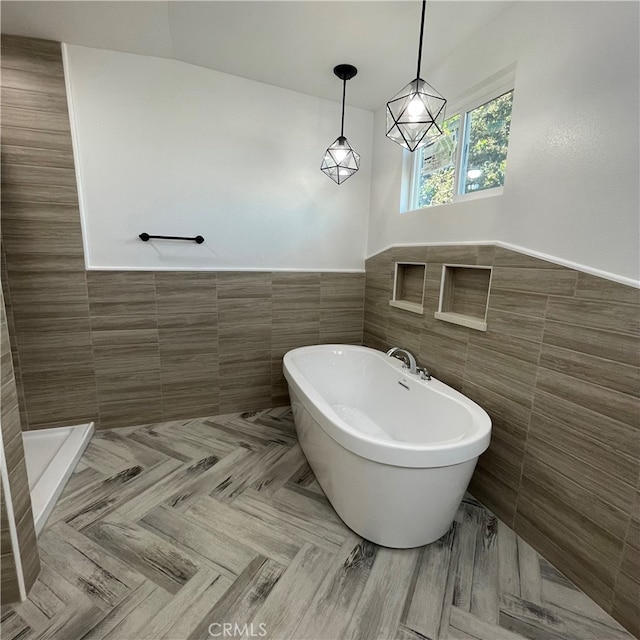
(393, 453)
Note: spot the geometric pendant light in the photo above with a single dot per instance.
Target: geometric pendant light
(340, 161)
(415, 115)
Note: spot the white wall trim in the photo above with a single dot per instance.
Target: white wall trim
(76, 154)
(260, 269)
(13, 530)
(529, 252)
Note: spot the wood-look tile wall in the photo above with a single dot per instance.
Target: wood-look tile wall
(169, 345)
(173, 345)
(20, 517)
(122, 348)
(558, 371)
(9, 588)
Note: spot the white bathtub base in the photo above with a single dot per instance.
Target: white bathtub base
(51, 455)
(393, 506)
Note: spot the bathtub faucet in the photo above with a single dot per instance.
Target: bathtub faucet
(409, 362)
(406, 356)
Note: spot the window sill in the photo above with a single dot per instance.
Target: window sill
(477, 195)
(467, 197)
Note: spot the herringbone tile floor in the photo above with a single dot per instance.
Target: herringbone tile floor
(172, 530)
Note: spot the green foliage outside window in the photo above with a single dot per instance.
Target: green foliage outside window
(484, 164)
(436, 187)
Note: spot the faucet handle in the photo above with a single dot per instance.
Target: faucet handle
(424, 374)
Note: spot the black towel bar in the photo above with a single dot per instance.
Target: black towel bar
(145, 237)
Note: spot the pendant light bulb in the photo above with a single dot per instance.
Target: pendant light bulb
(340, 152)
(416, 108)
(340, 161)
(415, 115)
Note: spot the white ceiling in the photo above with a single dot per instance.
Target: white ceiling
(293, 44)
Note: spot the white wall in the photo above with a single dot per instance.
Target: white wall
(169, 148)
(571, 185)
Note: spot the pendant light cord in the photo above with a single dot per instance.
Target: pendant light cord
(344, 93)
(424, 6)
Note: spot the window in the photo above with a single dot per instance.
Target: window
(436, 162)
(469, 157)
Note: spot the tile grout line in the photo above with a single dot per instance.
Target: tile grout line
(526, 439)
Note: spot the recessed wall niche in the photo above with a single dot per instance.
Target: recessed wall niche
(464, 295)
(408, 286)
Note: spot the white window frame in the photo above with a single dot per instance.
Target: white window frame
(492, 88)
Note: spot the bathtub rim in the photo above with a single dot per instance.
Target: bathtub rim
(392, 452)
